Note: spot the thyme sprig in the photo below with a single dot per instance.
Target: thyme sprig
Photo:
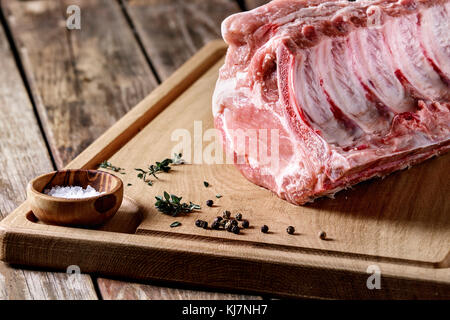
(158, 167)
(171, 204)
(163, 166)
(108, 165)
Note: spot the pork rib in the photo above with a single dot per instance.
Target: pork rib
(353, 90)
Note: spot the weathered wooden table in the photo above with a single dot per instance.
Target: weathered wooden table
(60, 89)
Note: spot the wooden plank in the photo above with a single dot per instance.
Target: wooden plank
(84, 80)
(100, 66)
(23, 156)
(298, 265)
(190, 25)
(118, 290)
(252, 4)
(187, 26)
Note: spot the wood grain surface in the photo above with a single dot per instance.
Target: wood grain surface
(299, 265)
(188, 26)
(119, 290)
(84, 80)
(23, 156)
(172, 31)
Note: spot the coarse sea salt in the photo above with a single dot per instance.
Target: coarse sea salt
(72, 192)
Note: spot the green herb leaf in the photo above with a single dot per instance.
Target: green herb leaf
(166, 196)
(171, 204)
(154, 169)
(175, 199)
(218, 196)
(108, 166)
(175, 224)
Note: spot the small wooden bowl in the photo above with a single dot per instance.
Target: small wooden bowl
(87, 212)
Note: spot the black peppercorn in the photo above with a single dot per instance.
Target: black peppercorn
(201, 224)
(198, 223)
(235, 229)
(219, 219)
(245, 224)
(264, 229)
(322, 235)
(290, 230)
(215, 225)
(228, 226)
(234, 222)
(209, 203)
(239, 216)
(226, 214)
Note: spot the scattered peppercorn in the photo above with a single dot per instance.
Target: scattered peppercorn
(201, 224)
(239, 216)
(226, 214)
(322, 235)
(234, 222)
(235, 229)
(215, 225)
(229, 225)
(218, 219)
(245, 224)
(209, 203)
(290, 230)
(264, 229)
(206, 184)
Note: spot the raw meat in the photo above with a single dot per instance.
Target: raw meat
(345, 91)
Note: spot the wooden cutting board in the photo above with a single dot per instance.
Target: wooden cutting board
(400, 224)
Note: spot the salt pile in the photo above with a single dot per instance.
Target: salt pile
(72, 192)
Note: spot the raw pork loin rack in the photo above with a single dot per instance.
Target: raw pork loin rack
(353, 89)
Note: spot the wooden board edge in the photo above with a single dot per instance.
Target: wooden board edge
(144, 257)
(138, 117)
(111, 257)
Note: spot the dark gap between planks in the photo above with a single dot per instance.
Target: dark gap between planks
(20, 67)
(130, 22)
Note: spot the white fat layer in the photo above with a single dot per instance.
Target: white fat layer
(223, 89)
